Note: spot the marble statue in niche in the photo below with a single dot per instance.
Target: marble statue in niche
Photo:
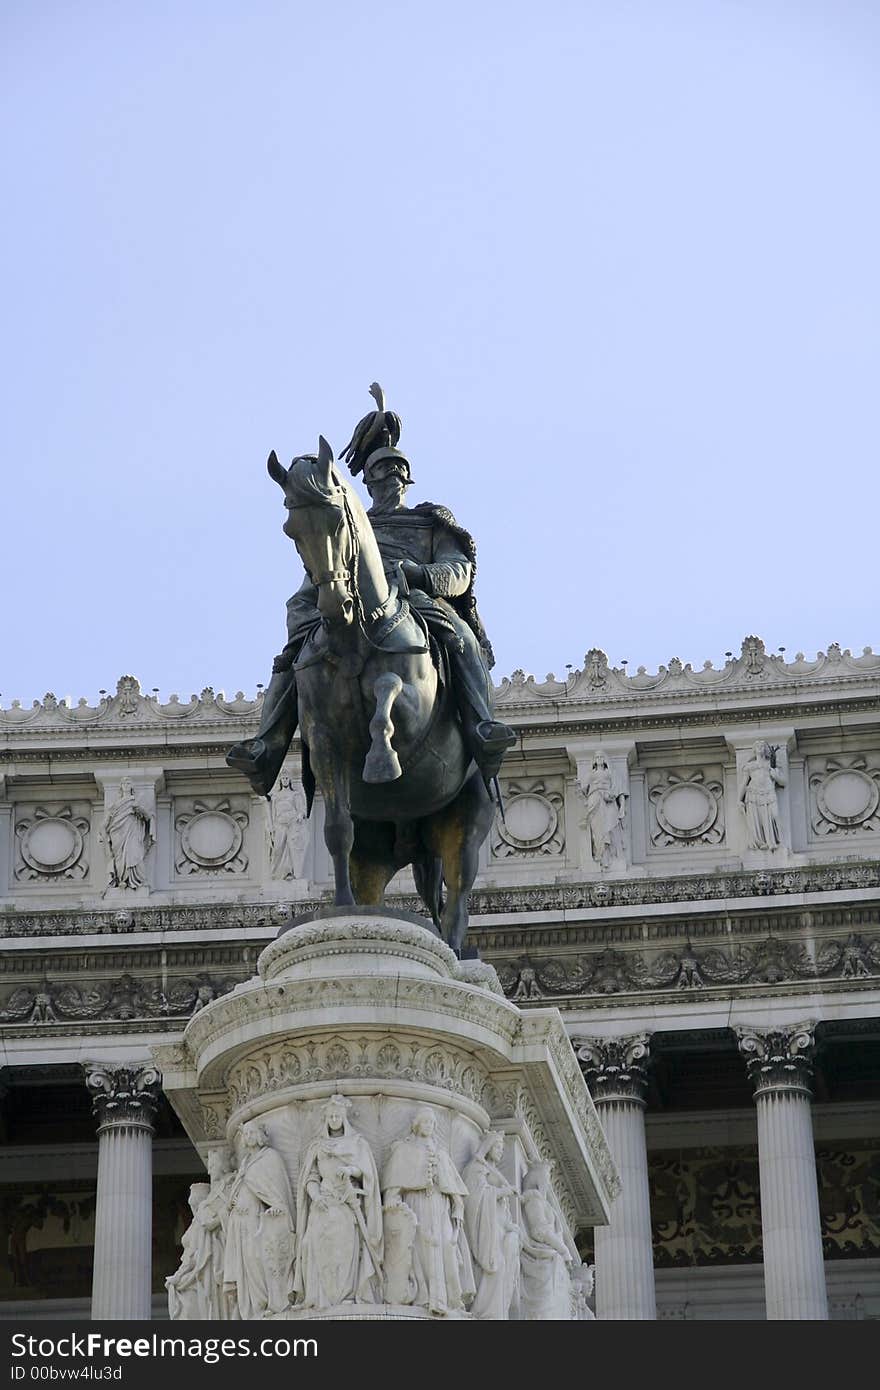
(492, 1233)
(128, 831)
(258, 1263)
(759, 779)
(545, 1291)
(421, 1174)
(288, 829)
(606, 812)
(339, 1254)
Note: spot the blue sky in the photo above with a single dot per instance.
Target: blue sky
(615, 265)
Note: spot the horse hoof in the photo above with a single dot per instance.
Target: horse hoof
(383, 766)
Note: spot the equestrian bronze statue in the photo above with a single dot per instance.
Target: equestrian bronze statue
(385, 672)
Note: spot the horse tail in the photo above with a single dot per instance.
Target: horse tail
(428, 876)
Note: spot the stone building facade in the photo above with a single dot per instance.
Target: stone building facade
(688, 867)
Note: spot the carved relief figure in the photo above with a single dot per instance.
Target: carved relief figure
(420, 1174)
(288, 830)
(258, 1264)
(189, 1288)
(757, 796)
(128, 830)
(546, 1288)
(606, 811)
(339, 1256)
(491, 1231)
(582, 1277)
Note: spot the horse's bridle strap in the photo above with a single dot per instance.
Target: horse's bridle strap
(330, 577)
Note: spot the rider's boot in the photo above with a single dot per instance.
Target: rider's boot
(487, 738)
(260, 758)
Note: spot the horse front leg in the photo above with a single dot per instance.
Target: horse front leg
(382, 763)
(332, 778)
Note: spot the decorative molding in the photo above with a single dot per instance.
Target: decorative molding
(754, 670)
(615, 1068)
(485, 902)
(123, 1095)
(779, 1059)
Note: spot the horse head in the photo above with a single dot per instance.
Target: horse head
(319, 524)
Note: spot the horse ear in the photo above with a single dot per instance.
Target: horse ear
(277, 471)
(325, 460)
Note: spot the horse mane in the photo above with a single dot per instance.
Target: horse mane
(304, 484)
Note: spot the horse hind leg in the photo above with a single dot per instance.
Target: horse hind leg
(382, 763)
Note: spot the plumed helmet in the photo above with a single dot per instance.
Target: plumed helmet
(372, 449)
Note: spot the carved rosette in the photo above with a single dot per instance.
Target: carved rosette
(779, 1059)
(615, 1068)
(123, 1096)
(686, 807)
(533, 821)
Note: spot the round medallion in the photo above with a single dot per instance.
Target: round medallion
(686, 811)
(529, 822)
(51, 845)
(211, 838)
(848, 797)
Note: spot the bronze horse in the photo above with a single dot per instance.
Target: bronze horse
(376, 716)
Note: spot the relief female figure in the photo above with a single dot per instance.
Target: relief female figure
(493, 1235)
(757, 796)
(128, 832)
(339, 1256)
(257, 1266)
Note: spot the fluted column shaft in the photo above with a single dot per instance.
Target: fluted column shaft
(780, 1065)
(124, 1101)
(616, 1072)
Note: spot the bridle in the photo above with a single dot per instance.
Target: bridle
(346, 573)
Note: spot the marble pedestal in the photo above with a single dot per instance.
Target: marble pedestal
(372, 1007)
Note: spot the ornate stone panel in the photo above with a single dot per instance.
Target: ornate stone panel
(849, 1200)
(533, 823)
(210, 836)
(51, 843)
(705, 1207)
(845, 795)
(686, 807)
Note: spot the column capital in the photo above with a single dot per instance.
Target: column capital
(779, 1059)
(123, 1095)
(615, 1068)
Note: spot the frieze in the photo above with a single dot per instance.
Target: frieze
(390, 1056)
(122, 1000)
(486, 902)
(610, 971)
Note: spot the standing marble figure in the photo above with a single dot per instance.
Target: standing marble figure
(258, 1264)
(757, 796)
(546, 1286)
(421, 1174)
(606, 809)
(493, 1235)
(339, 1257)
(128, 832)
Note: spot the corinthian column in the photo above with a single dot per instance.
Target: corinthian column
(616, 1073)
(124, 1101)
(780, 1065)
